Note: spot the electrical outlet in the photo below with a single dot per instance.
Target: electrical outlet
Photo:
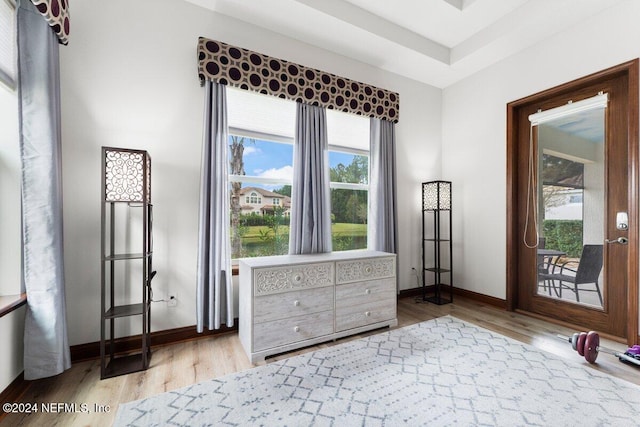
(172, 299)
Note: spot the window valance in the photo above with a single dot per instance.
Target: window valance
(56, 12)
(242, 68)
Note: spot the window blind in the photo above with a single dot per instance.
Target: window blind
(7, 43)
(261, 114)
(269, 116)
(347, 130)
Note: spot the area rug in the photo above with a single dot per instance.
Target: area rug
(440, 372)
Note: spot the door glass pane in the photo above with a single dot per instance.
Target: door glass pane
(571, 206)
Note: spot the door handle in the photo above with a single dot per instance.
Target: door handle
(621, 240)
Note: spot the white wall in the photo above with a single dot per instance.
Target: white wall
(474, 132)
(129, 79)
(12, 349)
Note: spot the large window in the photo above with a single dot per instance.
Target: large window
(261, 174)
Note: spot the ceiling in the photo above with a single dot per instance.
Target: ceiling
(438, 42)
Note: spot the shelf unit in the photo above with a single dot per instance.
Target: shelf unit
(126, 222)
(437, 245)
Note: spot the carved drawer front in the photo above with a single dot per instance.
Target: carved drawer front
(273, 280)
(294, 303)
(365, 269)
(293, 329)
(362, 303)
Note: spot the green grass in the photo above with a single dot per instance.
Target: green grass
(345, 236)
(347, 229)
(343, 229)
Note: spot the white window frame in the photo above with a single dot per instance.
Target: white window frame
(351, 185)
(9, 72)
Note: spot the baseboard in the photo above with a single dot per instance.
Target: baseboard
(90, 351)
(481, 298)
(14, 392)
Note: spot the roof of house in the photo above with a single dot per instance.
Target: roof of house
(263, 192)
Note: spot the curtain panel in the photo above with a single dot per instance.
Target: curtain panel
(242, 68)
(382, 225)
(56, 13)
(46, 344)
(310, 227)
(214, 292)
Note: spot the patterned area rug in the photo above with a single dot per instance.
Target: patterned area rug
(437, 373)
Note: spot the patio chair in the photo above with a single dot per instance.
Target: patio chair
(587, 273)
(543, 264)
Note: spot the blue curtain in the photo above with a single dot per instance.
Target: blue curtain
(310, 229)
(46, 346)
(383, 225)
(214, 295)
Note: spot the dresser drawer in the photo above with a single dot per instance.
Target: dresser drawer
(294, 303)
(362, 303)
(273, 280)
(349, 317)
(293, 329)
(365, 269)
(369, 290)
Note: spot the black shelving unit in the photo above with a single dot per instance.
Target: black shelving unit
(126, 221)
(437, 245)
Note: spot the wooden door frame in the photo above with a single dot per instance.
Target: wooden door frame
(630, 70)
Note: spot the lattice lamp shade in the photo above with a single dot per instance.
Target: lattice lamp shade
(436, 196)
(127, 175)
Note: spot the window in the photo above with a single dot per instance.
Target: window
(8, 43)
(260, 172)
(261, 132)
(349, 175)
(10, 164)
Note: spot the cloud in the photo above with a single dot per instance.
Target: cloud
(248, 150)
(285, 172)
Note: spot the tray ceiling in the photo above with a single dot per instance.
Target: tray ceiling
(438, 42)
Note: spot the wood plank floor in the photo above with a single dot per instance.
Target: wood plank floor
(179, 365)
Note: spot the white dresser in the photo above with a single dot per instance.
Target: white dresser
(292, 301)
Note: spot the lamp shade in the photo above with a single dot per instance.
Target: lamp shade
(127, 175)
(436, 196)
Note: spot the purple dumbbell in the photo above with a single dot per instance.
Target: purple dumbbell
(635, 350)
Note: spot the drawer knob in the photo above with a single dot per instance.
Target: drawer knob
(297, 278)
(296, 303)
(367, 291)
(296, 329)
(367, 269)
(367, 313)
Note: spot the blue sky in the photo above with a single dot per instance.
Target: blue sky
(264, 158)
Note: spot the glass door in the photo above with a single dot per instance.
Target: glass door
(571, 205)
(572, 250)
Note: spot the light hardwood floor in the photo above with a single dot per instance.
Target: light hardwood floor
(179, 365)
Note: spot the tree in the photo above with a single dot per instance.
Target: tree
(350, 206)
(236, 164)
(558, 176)
(285, 190)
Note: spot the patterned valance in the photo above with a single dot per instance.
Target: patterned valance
(56, 12)
(242, 68)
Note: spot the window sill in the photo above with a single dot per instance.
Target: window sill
(9, 303)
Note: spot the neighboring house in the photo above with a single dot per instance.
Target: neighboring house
(263, 202)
